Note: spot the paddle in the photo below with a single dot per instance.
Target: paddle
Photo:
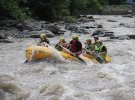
(96, 56)
(73, 54)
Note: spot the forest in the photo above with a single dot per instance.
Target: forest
(52, 9)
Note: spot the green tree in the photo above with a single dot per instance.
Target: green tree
(10, 8)
(93, 6)
(50, 9)
(103, 2)
(116, 2)
(77, 6)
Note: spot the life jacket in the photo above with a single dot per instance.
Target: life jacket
(99, 49)
(75, 47)
(45, 40)
(58, 47)
(89, 48)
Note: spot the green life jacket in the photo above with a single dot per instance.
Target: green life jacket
(99, 49)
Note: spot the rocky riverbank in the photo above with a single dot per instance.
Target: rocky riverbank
(33, 28)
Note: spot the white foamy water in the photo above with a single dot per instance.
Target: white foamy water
(64, 80)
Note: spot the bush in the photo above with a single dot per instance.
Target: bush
(10, 8)
(69, 19)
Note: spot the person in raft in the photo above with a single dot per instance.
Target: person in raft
(75, 46)
(62, 43)
(43, 40)
(96, 38)
(101, 49)
(89, 47)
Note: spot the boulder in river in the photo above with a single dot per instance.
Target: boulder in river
(103, 33)
(128, 15)
(56, 29)
(35, 34)
(71, 27)
(99, 26)
(5, 41)
(98, 32)
(131, 25)
(8, 23)
(124, 37)
(112, 21)
(85, 19)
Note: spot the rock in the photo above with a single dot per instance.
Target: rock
(71, 27)
(112, 21)
(8, 23)
(82, 16)
(103, 33)
(35, 34)
(12, 33)
(2, 37)
(99, 26)
(128, 15)
(32, 25)
(88, 27)
(90, 17)
(124, 37)
(84, 31)
(107, 34)
(83, 20)
(131, 36)
(121, 24)
(56, 29)
(98, 32)
(5, 41)
(23, 26)
(131, 25)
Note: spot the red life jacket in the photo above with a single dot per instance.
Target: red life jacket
(75, 46)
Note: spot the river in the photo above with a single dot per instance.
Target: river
(54, 79)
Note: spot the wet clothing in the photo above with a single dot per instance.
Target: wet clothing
(58, 47)
(43, 42)
(75, 46)
(89, 48)
(102, 50)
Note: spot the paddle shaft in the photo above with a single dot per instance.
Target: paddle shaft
(96, 56)
(73, 54)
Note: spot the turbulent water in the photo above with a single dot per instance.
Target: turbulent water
(54, 79)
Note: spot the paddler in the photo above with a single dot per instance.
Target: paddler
(96, 38)
(43, 40)
(89, 47)
(75, 46)
(60, 44)
(100, 49)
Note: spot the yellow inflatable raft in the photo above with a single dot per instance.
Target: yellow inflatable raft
(40, 52)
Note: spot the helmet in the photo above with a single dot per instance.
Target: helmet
(75, 37)
(62, 39)
(89, 40)
(42, 35)
(96, 36)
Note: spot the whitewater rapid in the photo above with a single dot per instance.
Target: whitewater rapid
(65, 80)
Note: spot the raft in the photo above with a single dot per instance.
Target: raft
(40, 52)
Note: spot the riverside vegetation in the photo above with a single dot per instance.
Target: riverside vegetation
(52, 9)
